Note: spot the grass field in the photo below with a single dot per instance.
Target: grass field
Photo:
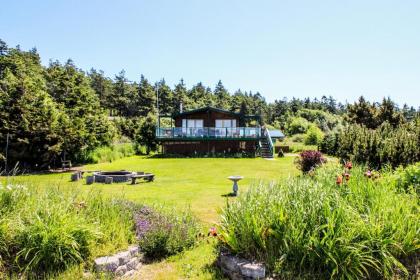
(198, 183)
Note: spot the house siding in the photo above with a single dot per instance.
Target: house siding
(208, 147)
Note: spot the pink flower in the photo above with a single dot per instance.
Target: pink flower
(349, 165)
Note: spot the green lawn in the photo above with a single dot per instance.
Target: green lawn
(198, 183)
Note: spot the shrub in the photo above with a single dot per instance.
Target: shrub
(298, 138)
(309, 160)
(313, 136)
(382, 146)
(163, 233)
(407, 179)
(329, 144)
(297, 125)
(310, 226)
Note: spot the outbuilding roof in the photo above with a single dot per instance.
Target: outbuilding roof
(275, 133)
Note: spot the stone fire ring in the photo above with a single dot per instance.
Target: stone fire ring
(117, 176)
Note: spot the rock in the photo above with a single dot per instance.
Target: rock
(129, 273)
(139, 266)
(109, 180)
(90, 180)
(121, 270)
(134, 250)
(252, 270)
(106, 264)
(75, 177)
(123, 257)
(230, 262)
(132, 263)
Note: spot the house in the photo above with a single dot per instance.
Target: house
(213, 131)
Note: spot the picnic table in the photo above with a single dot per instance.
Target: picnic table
(149, 177)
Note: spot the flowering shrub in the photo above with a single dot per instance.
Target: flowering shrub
(162, 233)
(309, 160)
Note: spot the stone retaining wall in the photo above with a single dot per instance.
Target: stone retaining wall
(240, 269)
(122, 264)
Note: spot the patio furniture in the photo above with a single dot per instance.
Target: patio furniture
(65, 164)
(148, 177)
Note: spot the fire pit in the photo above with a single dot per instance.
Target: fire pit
(117, 176)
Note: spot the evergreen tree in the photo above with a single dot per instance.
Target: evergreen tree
(146, 99)
(27, 113)
(363, 113)
(166, 98)
(388, 111)
(102, 87)
(121, 95)
(222, 96)
(180, 97)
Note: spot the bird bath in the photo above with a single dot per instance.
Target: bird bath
(235, 180)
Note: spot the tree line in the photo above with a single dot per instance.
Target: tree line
(48, 113)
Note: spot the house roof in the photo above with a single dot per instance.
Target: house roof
(275, 133)
(205, 109)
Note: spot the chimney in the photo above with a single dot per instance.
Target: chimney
(180, 107)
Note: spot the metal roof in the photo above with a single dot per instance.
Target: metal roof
(275, 133)
(205, 109)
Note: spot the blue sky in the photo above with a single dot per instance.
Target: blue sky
(279, 48)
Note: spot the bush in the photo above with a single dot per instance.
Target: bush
(297, 125)
(314, 136)
(329, 144)
(385, 145)
(310, 226)
(309, 160)
(407, 179)
(298, 138)
(164, 232)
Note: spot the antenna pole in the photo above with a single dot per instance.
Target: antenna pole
(157, 103)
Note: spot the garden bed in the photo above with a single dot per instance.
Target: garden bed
(319, 226)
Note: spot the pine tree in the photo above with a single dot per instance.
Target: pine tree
(222, 96)
(146, 99)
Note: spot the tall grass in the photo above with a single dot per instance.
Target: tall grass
(50, 231)
(110, 153)
(312, 226)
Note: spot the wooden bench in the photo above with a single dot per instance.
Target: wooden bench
(149, 177)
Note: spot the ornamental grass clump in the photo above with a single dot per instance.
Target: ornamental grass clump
(312, 227)
(163, 232)
(45, 232)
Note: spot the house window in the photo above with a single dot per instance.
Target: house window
(191, 123)
(226, 123)
(192, 128)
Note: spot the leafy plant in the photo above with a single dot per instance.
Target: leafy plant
(162, 232)
(311, 227)
(44, 232)
(313, 136)
(309, 160)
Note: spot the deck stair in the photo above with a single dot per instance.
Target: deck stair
(266, 145)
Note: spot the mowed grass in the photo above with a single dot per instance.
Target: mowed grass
(199, 183)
